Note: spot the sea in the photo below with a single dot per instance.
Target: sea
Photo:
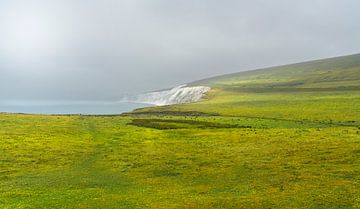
(110, 108)
(177, 95)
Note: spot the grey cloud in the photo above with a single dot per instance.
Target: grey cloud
(99, 50)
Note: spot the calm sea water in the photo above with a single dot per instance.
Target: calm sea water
(88, 109)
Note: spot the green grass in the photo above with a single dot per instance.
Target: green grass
(264, 147)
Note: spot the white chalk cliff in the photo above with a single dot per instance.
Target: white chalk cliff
(177, 95)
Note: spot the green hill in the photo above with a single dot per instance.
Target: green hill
(340, 72)
(326, 89)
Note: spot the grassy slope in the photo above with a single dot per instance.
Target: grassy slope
(261, 145)
(339, 72)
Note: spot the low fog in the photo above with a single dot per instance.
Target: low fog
(96, 50)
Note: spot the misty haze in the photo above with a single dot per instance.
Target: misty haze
(72, 50)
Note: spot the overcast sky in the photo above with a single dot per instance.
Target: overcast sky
(101, 49)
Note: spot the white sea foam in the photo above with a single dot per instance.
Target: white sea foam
(177, 95)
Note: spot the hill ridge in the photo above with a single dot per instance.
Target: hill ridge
(335, 72)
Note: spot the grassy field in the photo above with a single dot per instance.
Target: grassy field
(258, 147)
